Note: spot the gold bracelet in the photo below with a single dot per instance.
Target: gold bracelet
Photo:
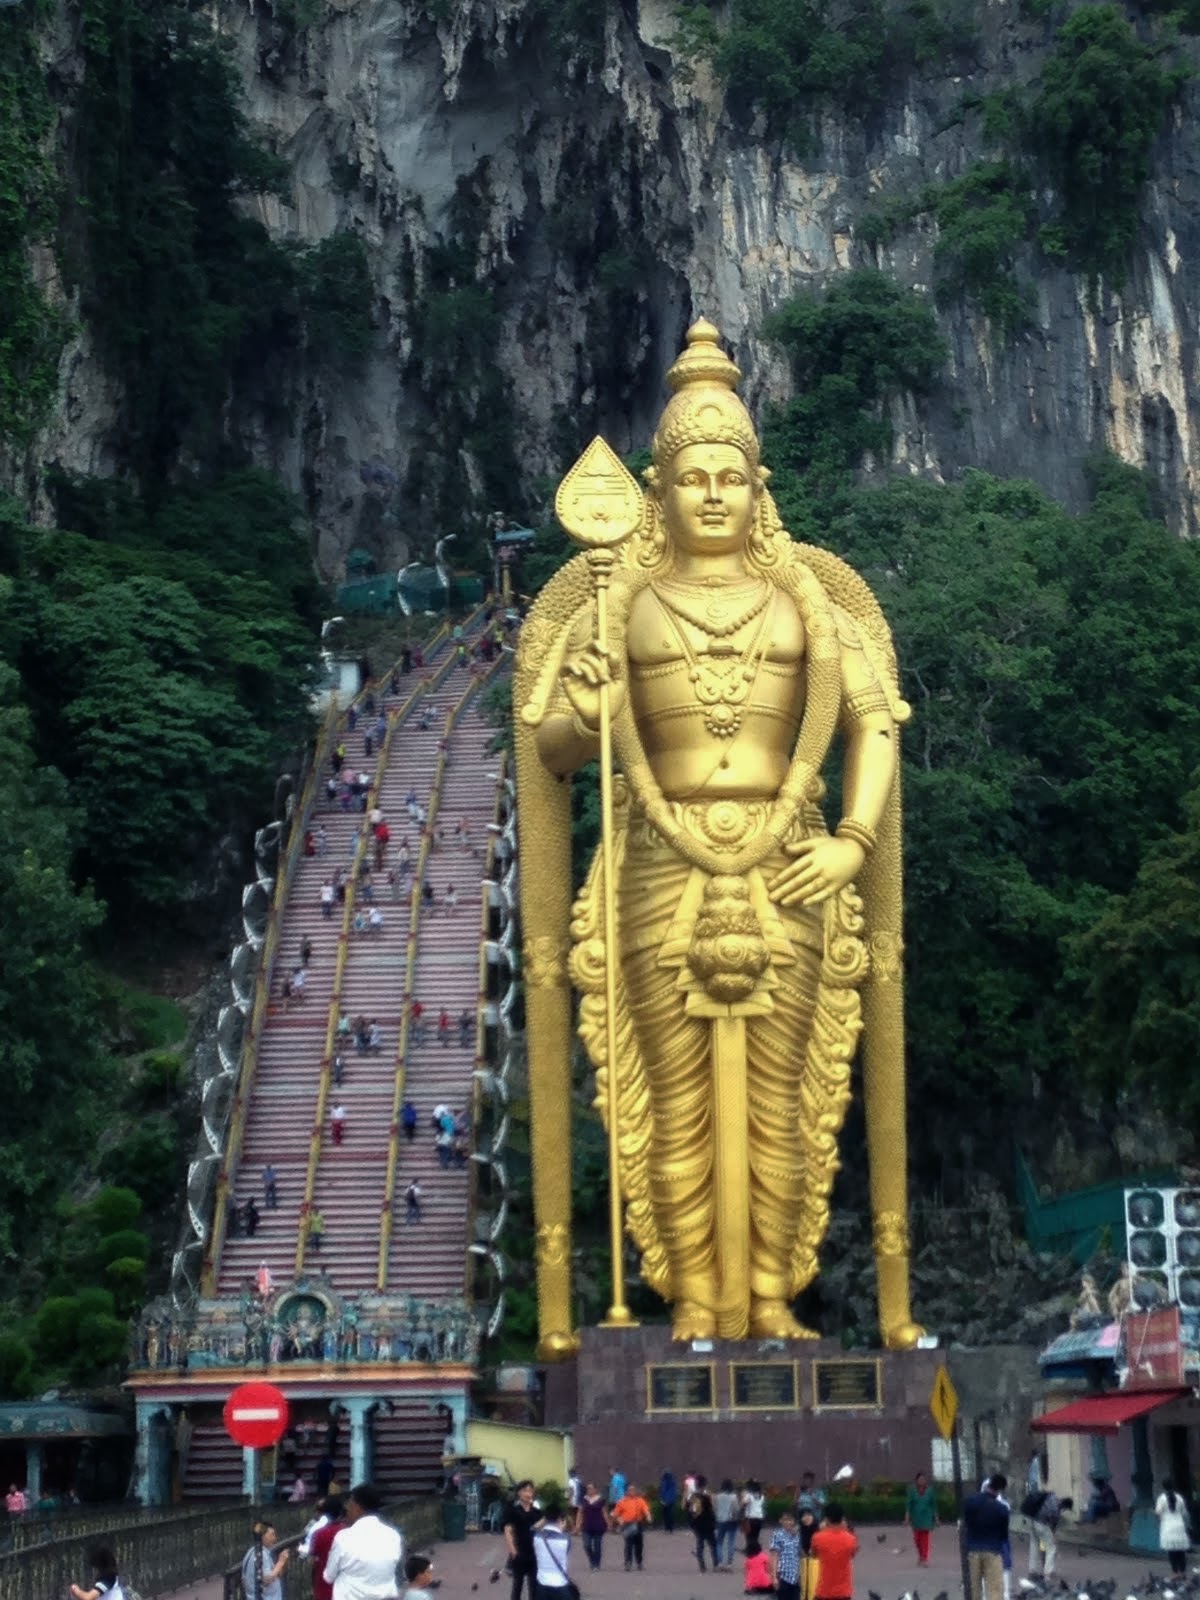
(847, 828)
(580, 727)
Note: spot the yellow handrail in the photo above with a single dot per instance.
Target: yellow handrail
(335, 1002)
(262, 992)
(435, 800)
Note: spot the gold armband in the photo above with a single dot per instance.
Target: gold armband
(865, 702)
(847, 828)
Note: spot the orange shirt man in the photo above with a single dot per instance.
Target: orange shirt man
(631, 1514)
(834, 1548)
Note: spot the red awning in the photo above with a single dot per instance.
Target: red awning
(1105, 1413)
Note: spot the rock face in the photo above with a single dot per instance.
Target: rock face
(606, 199)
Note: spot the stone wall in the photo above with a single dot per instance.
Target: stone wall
(604, 1391)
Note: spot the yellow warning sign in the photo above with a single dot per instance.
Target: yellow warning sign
(943, 1403)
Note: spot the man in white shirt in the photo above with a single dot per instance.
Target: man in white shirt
(365, 1556)
(319, 1521)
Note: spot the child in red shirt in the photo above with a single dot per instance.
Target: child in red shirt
(757, 1578)
(834, 1548)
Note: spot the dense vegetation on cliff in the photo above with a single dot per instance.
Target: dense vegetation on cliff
(156, 643)
(158, 620)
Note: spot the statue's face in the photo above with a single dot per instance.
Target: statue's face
(709, 495)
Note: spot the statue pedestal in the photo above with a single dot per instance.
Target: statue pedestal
(634, 1399)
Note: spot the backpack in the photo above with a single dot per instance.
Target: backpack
(695, 1506)
(1033, 1503)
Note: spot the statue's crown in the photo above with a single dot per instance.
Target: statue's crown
(703, 408)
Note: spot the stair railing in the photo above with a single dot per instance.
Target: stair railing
(414, 916)
(262, 994)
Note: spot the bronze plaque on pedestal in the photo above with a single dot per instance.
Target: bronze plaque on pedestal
(764, 1385)
(847, 1385)
(681, 1388)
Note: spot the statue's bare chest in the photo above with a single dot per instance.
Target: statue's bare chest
(706, 664)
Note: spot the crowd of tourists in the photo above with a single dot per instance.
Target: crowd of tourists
(809, 1555)
(809, 1552)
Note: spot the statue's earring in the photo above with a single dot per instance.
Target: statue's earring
(652, 534)
(764, 546)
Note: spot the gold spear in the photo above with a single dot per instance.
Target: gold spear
(599, 505)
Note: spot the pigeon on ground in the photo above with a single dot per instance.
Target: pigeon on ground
(881, 1538)
(495, 1577)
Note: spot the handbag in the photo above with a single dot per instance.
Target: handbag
(572, 1588)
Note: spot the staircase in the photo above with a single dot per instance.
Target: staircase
(408, 1448)
(351, 1178)
(214, 1463)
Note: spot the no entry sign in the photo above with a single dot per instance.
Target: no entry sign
(256, 1415)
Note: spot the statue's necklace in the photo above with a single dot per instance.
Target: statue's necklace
(721, 686)
(714, 616)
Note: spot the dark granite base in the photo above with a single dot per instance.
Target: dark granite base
(725, 1413)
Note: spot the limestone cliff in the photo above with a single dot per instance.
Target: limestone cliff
(606, 201)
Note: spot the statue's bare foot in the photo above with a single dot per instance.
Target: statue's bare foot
(771, 1319)
(903, 1336)
(691, 1321)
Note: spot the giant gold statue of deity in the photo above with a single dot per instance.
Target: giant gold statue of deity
(738, 947)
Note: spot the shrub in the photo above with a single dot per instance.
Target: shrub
(114, 1209)
(850, 350)
(1092, 125)
(149, 1158)
(128, 1243)
(983, 217)
(336, 293)
(127, 1277)
(16, 1367)
(162, 1078)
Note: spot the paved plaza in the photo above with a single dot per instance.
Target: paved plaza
(886, 1566)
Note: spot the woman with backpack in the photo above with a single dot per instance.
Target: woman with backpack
(1174, 1527)
(702, 1520)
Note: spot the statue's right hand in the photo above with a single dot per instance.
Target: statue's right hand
(583, 673)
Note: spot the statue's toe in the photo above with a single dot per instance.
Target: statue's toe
(691, 1321)
(903, 1336)
(771, 1319)
(557, 1346)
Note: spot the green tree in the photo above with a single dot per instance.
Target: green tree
(30, 330)
(1138, 968)
(53, 1054)
(851, 350)
(1092, 125)
(167, 678)
(80, 1336)
(1053, 663)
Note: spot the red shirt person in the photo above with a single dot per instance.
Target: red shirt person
(319, 1549)
(834, 1548)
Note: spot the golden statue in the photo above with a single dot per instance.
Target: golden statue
(752, 946)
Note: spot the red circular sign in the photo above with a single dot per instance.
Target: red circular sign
(256, 1415)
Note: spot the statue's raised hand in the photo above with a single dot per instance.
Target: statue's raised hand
(823, 865)
(583, 672)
